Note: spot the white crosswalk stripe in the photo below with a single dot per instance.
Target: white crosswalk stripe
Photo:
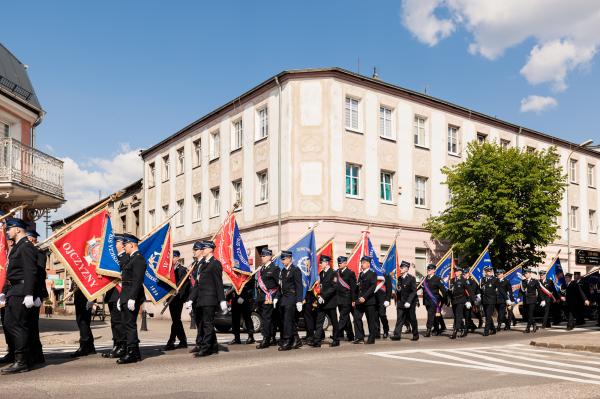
(516, 359)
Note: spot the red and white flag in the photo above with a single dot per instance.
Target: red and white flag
(229, 250)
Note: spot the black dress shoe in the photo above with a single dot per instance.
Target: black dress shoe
(315, 344)
(358, 341)
(263, 345)
(395, 337)
(202, 354)
(386, 335)
(493, 332)
(181, 345)
(415, 338)
(250, 340)
(428, 333)
(9, 358)
(370, 342)
(235, 341)
(297, 344)
(169, 347)
(334, 343)
(527, 330)
(133, 355)
(195, 349)
(19, 366)
(485, 333)
(284, 348)
(83, 351)
(454, 333)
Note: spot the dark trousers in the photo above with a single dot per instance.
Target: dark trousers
(545, 320)
(116, 324)
(36, 352)
(239, 312)
(10, 346)
(571, 312)
(130, 323)
(489, 319)
(404, 315)
(344, 324)
(530, 309)
(431, 311)
(310, 321)
(382, 315)
(17, 324)
(501, 309)
(206, 338)
(83, 317)
(458, 310)
(468, 316)
(266, 313)
(288, 316)
(319, 332)
(177, 331)
(372, 321)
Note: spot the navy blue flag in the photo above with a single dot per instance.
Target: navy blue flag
(375, 264)
(483, 261)
(109, 262)
(304, 255)
(555, 273)
(515, 277)
(443, 268)
(154, 248)
(390, 264)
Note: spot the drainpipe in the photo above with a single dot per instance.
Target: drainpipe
(278, 167)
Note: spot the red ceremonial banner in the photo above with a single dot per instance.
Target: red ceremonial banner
(80, 250)
(164, 268)
(3, 256)
(327, 250)
(362, 248)
(223, 252)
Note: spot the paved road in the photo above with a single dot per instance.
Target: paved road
(500, 366)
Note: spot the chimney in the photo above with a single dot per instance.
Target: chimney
(375, 74)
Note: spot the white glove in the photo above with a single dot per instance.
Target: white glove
(468, 305)
(299, 306)
(275, 302)
(89, 305)
(508, 302)
(321, 300)
(2, 299)
(188, 305)
(37, 303)
(131, 305)
(406, 305)
(543, 303)
(119, 304)
(479, 296)
(223, 305)
(240, 300)
(386, 303)
(28, 301)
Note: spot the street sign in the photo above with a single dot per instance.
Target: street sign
(585, 257)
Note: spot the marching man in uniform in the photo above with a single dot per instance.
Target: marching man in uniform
(550, 295)
(504, 300)
(406, 302)
(291, 299)
(489, 297)
(112, 296)
(531, 293)
(346, 296)
(434, 294)
(460, 298)
(327, 300)
(267, 281)
(176, 306)
(365, 302)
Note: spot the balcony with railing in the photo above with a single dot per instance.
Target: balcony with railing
(30, 168)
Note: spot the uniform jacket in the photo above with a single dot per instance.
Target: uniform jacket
(435, 285)
(473, 286)
(292, 289)
(489, 290)
(575, 296)
(531, 291)
(41, 291)
(384, 293)
(459, 293)
(132, 277)
(367, 281)
(208, 288)
(504, 291)
(549, 285)
(346, 296)
(22, 270)
(269, 274)
(180, 272)
(112, 295)
(328, 283)
(406, 290)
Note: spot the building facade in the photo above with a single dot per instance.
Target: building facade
(343, 150)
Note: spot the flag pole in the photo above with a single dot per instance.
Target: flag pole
(13, 211)
(481, 256)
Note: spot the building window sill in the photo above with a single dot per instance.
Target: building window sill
(356, 131)
(236, 150)
(355, 197)
(422, 147)
(259, 203)
(213, 160)
(260, 139)
(422, 207)
(387, 202)
(391, 139)
(454, 154)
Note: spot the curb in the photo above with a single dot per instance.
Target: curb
(553, 345)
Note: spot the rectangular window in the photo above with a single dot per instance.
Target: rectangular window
(349, 247)
(181, 212)
(530, 149)
(165, 212)
(166, 168)
(591, 175)
(237, 192)
(238, 135)
(386, 179)
(574, 218)
(352, 180)
(263, 186)
(151, 218)
(453, 140)
(420, 191)
(5, 129)
(593, 225)
(197, 152)
(215, 145)
(215, 207)
(419, 131)
(180, 161)
(384, 250)
(136, 222)
(420, 262)
(263, 122)
(385, 123)
(504, 143)
(481, 138)
(124, 223)
(151, 174)
(351, 113)
(573, 171)
(197, 207)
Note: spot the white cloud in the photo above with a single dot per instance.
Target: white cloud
(565, 34)
(537, 103)
(86, 181)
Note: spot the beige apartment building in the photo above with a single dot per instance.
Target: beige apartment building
(348, 150)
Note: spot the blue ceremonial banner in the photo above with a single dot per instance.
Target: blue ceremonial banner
(153, 248)
(375, 265)
(109, 262)
(304, 255)
(444, 267)
(483, 261)
(390, 263)
(240, 256)
(514, 277)
(555, 273)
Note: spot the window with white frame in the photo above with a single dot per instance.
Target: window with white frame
(385, 122)
(215, 207)
(180, 161)
(383, 250)
(385, 184)
(238, 135)
(349, 247)
(573, 171)
(419, 131)
(504, 144)
(263, 122)
(453, 140)
(165, 212)
(352, 113)
(591, 175)
(166, 168)
(420, 262)
(352, 180)
(481, 138)
(420, 191)
(263, 186)
(181, 212)
(197, 207)
(151, 174)
(151, 218)
(197, 145)
(215, 145)
(593, 221)
(574, 218)
(237, 192)
(5, 129)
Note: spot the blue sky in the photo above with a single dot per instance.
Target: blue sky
(115, 76)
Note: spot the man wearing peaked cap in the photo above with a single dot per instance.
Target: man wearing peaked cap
(365, 302)
(346, 297)
(267, 295)
(550, 294)
(36, 355)
(327, 302)
(406, 297)
(176, 305)
(291, 301)
(490, 286)
(111, 297)
(504, 300)
(434, 296)
(530, 288)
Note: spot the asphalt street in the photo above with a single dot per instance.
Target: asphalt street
(499, 366)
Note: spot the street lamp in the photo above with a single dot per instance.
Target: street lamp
(585, 144)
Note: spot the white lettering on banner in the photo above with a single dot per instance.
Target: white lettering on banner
(80, 265)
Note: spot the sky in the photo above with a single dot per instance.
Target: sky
(118, 76)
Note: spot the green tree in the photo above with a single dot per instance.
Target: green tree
(508, 195)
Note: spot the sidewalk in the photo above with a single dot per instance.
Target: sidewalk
(577, 339)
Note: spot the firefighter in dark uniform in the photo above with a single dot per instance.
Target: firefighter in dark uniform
(197, 250)
(207, 296)
(573, 297)
(83, 317)
(532, 293)
(460, 298)
(111, 297)
(290, 299)
(346, 296)
(406, 302)
(489, 299)
(132, 297)
(309, 311)
(551, 296)
(365, 302)
(18, 294)
(327, 300)
(176, 305)
(475, 293)
(241, 308)
(383, 295)
(434, 296)
(581, 310)
(504, 300)
(36, 354)
(267, 284)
